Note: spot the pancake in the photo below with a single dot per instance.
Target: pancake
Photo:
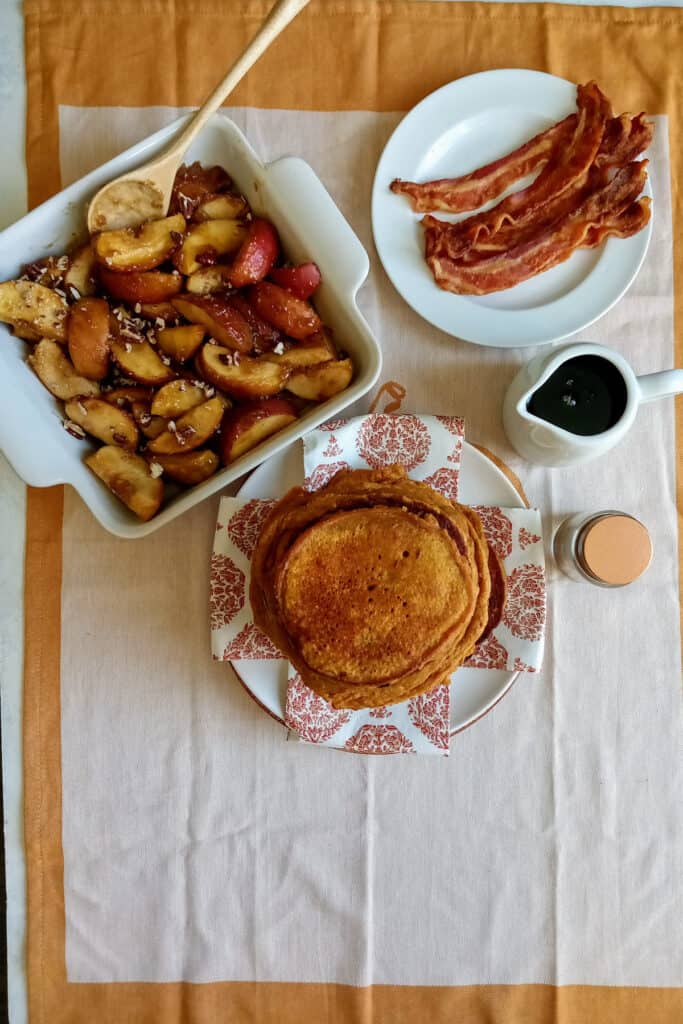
(375, 587)
(497, 596)
(367, 595)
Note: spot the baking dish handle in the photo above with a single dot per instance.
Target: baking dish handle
(311, 207)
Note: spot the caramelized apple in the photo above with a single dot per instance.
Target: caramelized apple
(139, 360)
(88, 337)
(104, 421)
(265, 336)
(205, 243)
(256, 255)
(189, 469)
(150, 286)
(193, 184)
(181, 343)
(160, 311)
(222, 207)
(247, 425)
(301, 281)
(208, 280)
(176, 398)
(143, 248)
(241, 376)
(128, 477)
(125, 396)
(318, 348)
(192, 430)
(283, 310)
(57, 373)
(219, 317)
(31, 305)
(80, 275)
(316, 383)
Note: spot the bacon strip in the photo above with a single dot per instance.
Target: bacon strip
(561, 173)
(457, 195)
(555, 210)
(595, 218)
(623, 141)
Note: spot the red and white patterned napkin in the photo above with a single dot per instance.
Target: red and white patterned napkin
(430, 447)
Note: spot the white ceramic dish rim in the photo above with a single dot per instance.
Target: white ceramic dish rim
(47, 457)
(547, 323)
(260, 485)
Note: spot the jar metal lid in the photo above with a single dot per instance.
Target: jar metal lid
(615, 549)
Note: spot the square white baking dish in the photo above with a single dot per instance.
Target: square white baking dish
(311, 227)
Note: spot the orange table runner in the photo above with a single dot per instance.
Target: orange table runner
(336, 56)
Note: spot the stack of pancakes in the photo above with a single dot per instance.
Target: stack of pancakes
(375, 587)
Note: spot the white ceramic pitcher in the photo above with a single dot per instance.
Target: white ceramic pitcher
(542, 442)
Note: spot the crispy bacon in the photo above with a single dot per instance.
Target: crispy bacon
(555, 210)
(597, 217)
(624, 139)
(587, 190)
(562, 173)
(457, 195)
(629, 222)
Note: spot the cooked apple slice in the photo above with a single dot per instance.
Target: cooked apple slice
(27, 305)
(160, 311)
(241, 376)
(219, 317)
(222, 207)
(142, 248)
(194, 183)
(104, 421)
(181, 343)
(139, 360)
(301, 281)
(88, 337)
(265, 336)
(319, 348)
(316, 383)
(147, 286)
(150, 426)
(49, 271)
(79, 276)
(293, 316)
(130, 478)
(208, 280)
(257, 254)
(26, 333)
(57, 373)
(125, 396)
(174, 399)
(188, 469)
(192, 430)
(205, 243)
(247, 425)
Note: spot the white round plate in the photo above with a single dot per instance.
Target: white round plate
(460, 127)
(473, 691)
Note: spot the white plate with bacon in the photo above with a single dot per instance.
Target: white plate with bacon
(512, 207)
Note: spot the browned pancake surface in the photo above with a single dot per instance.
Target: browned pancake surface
(367, 595)
(318, 554)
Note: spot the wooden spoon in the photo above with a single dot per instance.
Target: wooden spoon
(145, 193)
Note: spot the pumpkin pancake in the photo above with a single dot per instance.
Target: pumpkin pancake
(375, 587)
(368, 595)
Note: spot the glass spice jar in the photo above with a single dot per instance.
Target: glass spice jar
(609, 549)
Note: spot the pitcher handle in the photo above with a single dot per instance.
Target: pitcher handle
(660, 385)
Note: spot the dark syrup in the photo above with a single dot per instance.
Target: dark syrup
(586, 395)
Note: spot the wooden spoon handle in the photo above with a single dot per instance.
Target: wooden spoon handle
(280, 16)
